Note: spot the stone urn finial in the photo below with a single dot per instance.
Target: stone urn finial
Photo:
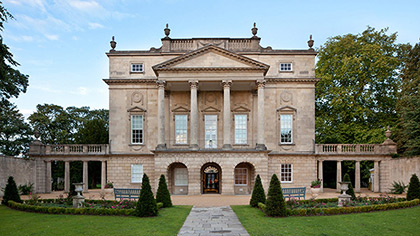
(113, 44)
(388, 132)
(254, 30)
(36, 134)
(310, 42)
(167, 30)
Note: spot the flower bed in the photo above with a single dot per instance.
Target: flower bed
(327, 207)
(92, 207)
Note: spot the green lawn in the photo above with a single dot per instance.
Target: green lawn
(393, 222)
(13, 222)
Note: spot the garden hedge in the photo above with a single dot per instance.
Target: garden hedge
(347, 210)
(74, 211)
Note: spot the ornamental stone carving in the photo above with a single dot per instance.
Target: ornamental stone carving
(286, 97)
(137, 97)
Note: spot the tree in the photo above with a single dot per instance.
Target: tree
(15, 133)
(11, 192)
(408, 134)
(350, 191)
(275, 201)
(258, 194)
(146, 205)
(358, 90)
(413, 191)
(162, 194)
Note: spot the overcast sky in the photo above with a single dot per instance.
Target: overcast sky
(61, 44)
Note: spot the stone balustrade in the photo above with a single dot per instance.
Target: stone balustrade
(354, 149)
(73, 149)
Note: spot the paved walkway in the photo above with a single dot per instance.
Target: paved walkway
(203, 221)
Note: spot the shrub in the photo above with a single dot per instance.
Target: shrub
(398, 187)
(11, 192)
(275, 201)
(350, 192)
(413, 191)
(261, 206)
(258, 194)
(162, 194)
(25, 189)
(146, 205)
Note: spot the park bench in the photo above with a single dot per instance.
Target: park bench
(294, 192)
(127, 193)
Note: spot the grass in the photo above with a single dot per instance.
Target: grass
(393, 222)
(13, 222)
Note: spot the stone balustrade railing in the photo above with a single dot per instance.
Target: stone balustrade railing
(354, 149)
(68, 149)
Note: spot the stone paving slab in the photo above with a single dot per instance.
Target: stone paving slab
(204, 221)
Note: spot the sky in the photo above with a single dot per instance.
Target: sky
(61, 44)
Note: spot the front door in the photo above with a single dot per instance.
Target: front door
(211, 180)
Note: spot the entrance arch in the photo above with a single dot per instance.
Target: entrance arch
(178, 178)
(211, 178)
(244, 178)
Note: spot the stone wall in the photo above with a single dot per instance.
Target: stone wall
(22, 170)
(401, 169)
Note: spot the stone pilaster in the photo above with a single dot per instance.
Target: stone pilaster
(227, 144)
(66, 176)
(194, 115)
(376, 183)
(48, 178)
(260, 124)
(338, 175)
(357, 177)
(103, 175)
(85, 177)
(161, 115)
(320, 174)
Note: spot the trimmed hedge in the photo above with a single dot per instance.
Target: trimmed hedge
(258, 194)
(74, 211)
(346, 210)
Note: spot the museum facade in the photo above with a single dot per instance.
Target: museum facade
(210, 114)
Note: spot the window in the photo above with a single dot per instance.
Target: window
(241, 176)
(136, 173)
(240, 129)
(181, 176)
(286, 173)
(286, 128)
(181, 129)
(285, 66)
(210, 131)
(137, 67)
(137, 129)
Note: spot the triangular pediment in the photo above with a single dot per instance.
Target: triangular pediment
(241, 109)
(210, 109)
(212, 58)
(136, 109)
(181, 109)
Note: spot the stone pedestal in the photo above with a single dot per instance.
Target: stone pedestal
(78, 201)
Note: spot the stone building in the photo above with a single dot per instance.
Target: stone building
(210, 114)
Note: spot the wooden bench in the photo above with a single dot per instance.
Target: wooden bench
(294, 192)
(127, 193)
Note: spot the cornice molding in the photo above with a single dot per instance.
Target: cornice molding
(130, 81)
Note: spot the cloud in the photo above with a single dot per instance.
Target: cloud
(52, 36)
(21, 38)
(86, 5)
(82, 90)
(95, 26)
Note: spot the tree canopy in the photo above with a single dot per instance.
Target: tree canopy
(359, 86)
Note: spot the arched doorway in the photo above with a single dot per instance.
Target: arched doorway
(211, 178)
(178, 178)
(244, 178)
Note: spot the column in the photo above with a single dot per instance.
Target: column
(85, 177)
(227, 144)
(260, 124)
(321, 174)
(376, 177)
(66, 176)
(194, 115)
(338, 175)
(48, 178)
(161, 115)
(357, 177)
(103, 175)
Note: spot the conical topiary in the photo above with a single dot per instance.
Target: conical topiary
(258, 194)
(146, 205)
(162, 194)
(413, 188)
(350, 192)
(11, 192)
(275, 201)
